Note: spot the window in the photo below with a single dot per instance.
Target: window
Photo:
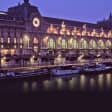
(75, 44)
(21, 41)
(8, 40)
(64, 44)
(26, 41)
(93, 44)
(1, 40)
(15, 41)
(51, 43)
(35, 40)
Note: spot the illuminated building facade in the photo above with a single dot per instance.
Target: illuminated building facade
(26, 35)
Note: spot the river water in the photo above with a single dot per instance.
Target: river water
(77, 83)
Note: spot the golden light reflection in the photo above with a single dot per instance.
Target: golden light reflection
(46, 85)
(25, 86)
(92, 83)
(83, 81)
(60, 84)
(100, 81)
(72, 83)
(108, 81)
(34, 86)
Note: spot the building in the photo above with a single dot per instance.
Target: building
(26, 36)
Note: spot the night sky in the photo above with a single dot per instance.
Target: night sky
(81, 10)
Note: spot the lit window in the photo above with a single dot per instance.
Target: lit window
(26, 40)
(14, 46)
(21, 41)
(64, 44)
(21, 46)
(35, 41)
(8, 39)
(70, 43)
(15, 40)
(2, 46)
(51, 43)
(1, 40)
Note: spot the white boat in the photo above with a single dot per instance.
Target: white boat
(60, 71)
(10, 74)
(2, 75)
(95, 68)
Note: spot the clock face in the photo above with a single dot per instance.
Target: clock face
(36, 22)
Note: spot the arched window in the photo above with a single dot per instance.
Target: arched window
(92, 44)
(83, 44)
(70, 43)
(75, 44)
(51, 44)
(101, 44)
(108, 44)
(21, 42)
(59, 40)
(64, 44)
(45, 42)
(26, 41)
(35, 40)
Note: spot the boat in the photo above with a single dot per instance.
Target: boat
(31, 73)
(96, 68)
(10, 74)
(64, 70)
(7, 75)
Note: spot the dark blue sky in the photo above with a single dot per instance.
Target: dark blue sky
(81, 10)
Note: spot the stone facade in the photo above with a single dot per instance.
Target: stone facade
(27, 37)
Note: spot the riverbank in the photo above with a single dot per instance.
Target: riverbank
(52, 66)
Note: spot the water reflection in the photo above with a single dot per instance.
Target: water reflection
(76, 83)
(92, 84)
(46, 85)
(100, 82)
(25, 86)
(108, 81)
(83, 80)
(60, 83)
(73, 83)
(34, 86)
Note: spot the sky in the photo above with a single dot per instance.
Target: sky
(79, 10)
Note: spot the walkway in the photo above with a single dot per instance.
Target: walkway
(50, 66)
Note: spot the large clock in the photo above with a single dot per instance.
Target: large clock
(36, 22)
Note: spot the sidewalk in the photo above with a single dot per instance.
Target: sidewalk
(49, 66)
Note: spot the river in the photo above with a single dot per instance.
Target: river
(77, 83)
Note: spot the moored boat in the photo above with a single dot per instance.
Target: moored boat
(64, 70)
(31, 73)
(96, 68)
